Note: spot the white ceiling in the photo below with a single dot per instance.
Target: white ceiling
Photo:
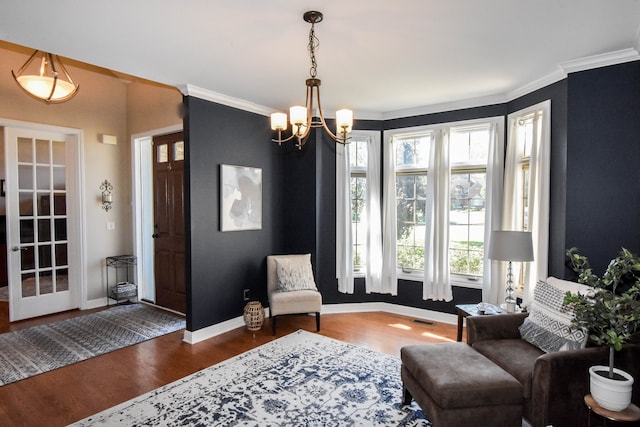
(381, 58)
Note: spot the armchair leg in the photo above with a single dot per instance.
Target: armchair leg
(317, 321)
(273, 324)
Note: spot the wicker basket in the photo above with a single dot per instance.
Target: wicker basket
(253, 315)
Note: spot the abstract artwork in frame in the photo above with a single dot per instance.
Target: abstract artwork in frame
(240, 198)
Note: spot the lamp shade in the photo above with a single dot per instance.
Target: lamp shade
(511, 246)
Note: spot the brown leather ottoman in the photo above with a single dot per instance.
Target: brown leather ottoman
(457, 386)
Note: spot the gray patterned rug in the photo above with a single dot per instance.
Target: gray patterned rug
(301, 379)
(39, 349)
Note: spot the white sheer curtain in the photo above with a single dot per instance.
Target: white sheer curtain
(373, 212)
(389, 282)
(538, 192)
(491, 291)
(344, 246)
(370, 216)
(437, 280)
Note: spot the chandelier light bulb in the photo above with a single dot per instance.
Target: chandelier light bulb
(344, 121)
(279, 121)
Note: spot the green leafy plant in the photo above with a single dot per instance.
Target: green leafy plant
(610, 315)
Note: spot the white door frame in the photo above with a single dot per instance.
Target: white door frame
(143, 242)
(79, 218)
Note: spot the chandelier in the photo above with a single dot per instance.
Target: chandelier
(46, 83)
(301, 118)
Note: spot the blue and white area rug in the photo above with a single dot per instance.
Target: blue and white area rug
(39, 349)
(302, 379)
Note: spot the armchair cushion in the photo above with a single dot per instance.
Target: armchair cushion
(515, 356)
(295, 273)
(549, 326)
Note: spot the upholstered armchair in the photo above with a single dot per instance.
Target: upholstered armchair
(291, 287)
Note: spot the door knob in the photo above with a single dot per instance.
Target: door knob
(18, 248)
(155, 235)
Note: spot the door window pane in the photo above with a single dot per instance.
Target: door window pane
(43, 177)
(28, 285)
(163, 153)
(42, 151)
(27, 258)
(44, 230)
(60, 229)
(59, 179)
(26, 204)
(178, 150)
(25, 150)
(58, 148)
(25, 177)
(61, 254)
(45, 283)
(62, 280)
(26, 231)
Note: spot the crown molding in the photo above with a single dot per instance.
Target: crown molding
(229, 101)
(602, 60)
(572, 66)
(544, 81)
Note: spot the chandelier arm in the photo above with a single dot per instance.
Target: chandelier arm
(341, 140)
(55, 76)
(66, 73)
(26, 64)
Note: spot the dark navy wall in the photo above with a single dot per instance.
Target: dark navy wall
(595, 186)
(603, 167)
(220, 265)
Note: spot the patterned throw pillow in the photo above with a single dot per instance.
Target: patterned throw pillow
(295, 274)
(548, 325)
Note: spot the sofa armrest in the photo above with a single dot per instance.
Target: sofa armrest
(561, 380)
(494, 327)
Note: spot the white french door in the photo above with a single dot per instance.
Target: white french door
(42, 235)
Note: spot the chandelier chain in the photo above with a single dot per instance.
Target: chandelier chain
(314, 43)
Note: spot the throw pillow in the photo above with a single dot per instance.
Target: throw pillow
(295, 273)
(548, 325)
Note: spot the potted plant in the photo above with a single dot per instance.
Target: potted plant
(611, 314)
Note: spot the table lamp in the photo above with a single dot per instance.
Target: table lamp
(511, 246)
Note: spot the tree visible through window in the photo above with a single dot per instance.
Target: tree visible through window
(358, 181)
(469, 148)
(412, 160)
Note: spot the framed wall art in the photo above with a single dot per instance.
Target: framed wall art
(240, 198)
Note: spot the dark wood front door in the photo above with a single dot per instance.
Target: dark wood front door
(169, 261)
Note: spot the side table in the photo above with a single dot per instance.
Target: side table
(465, 310)
(629, 415)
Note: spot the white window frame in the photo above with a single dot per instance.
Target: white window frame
(389, 135)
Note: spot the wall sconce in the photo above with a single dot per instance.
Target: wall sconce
(107, 198)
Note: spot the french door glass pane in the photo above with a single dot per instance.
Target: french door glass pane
(43, 231)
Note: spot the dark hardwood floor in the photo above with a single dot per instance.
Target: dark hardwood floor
(72, 393)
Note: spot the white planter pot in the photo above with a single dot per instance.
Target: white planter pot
(612, 394)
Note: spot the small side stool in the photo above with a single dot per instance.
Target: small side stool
(629, 415)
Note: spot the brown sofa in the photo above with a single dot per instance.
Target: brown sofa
(554, 384)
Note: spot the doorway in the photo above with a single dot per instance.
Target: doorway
(159, 216)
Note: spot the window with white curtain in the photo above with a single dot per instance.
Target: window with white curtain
(358, 191)
(358, 212)
(411, 163)
(526, 189)
(469, 149)
(468, 156)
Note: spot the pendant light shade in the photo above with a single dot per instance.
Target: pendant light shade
(47, 79)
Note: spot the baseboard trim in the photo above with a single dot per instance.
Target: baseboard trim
(193, 337)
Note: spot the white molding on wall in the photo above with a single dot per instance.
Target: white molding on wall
(220, 98)
(193, 337)
(564, 68)
(602, 60)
